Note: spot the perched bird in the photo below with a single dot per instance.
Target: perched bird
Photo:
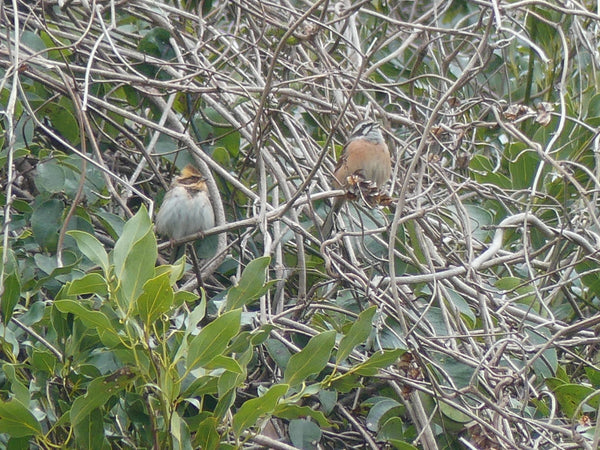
(186, 208)
(366, 157)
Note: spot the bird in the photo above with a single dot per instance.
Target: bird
(365, 157)
(186, 208)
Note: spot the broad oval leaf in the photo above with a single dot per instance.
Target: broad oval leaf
(134, 257)
(304, 433)
(99, 391)
(46, 220)
(358, 333)
(92, 283)
(10, 297)
(156, 299)
(92, 319)
(380, 410)
(253, 409)
(213, 339)
(91, 248)
(378, 361)
(311, 359)
(252, 284)
(17, 421)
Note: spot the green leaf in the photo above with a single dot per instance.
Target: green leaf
(224, 404)
(229, 381)
(156, 43)
(253, 409)
(213, 339)
(63, 120)
(134, 257)
(156, 299)
(358, 333)
(251, 285)
(91, 248)
(19, 390)
(49, 265)
(193, 320)
(328, 400)
(523, 163)
(45, 223)
(111, 222)
(99, 391)
(89, 431)
(92, 283)
(459, 302)
(311, 359)
(17, 421)
(392, 431)
(461, 373)
(43, 361)
(10, 297)
(50, 177)
(227, 363)
(180, 432)
(378, 361)
(515, 285)
(382, 409)
(483, 170)
(304, 433)
(207, 437)
(593, 375)
(571, 396)
(289, 412)
(92, 319)
(453, 414)
(278, 351)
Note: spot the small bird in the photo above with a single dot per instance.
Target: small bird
(186, 208)
(365, 156)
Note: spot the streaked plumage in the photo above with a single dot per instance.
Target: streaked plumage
(365, 154)
(186, 208)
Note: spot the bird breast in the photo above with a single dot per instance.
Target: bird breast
(183, 213)
(371, 160)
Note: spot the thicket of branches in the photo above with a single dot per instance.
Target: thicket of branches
(483, 270)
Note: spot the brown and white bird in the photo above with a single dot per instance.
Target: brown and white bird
(365, 156)
(186, 208)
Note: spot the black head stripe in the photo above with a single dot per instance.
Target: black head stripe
(363, 128)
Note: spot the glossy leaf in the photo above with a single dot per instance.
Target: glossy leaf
(46, 221)
(10, 297)
(193, 319)
(98, 393)
(207, 436)
(19, 390)
(382, 408)
(92, 319)
(251, 285)
(91, 248)
(378, 360)
(50, 177)
(92, 283)
(311, 359)
(255, 408)
(89, 431)
(156, 299)
(358, 333)
(290, 411)
(17, 421)
(134, 257)
(304, 433)
(213, 339)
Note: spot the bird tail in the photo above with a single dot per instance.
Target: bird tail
(328, 225)
(176, 253)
